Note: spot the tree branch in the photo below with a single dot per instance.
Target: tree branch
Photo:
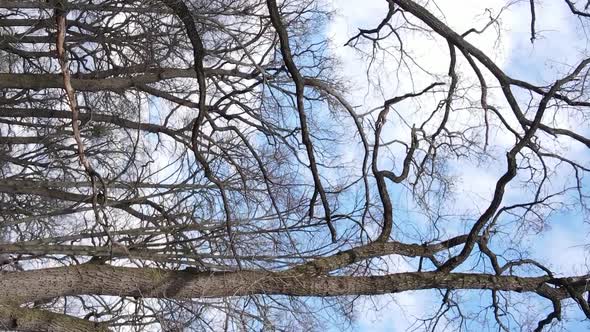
(37, 285)
(24, 319)
(275, 18)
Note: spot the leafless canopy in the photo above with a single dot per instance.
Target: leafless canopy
(205, 165)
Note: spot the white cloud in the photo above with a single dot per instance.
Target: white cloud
(556, 44)
(562, 247)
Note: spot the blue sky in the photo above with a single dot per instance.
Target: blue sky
(560, 41)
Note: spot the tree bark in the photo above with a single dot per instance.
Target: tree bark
(24, 319)
(95, 82)
(37, 285)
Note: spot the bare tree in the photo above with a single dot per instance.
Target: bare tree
(203, 165)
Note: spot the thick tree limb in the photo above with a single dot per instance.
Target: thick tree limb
(376, 249)
(23, 319)
(96, 117)
(20, 4)
(28, 286)
(316, 266)
(94, 82)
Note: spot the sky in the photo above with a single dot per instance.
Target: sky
(560, 41)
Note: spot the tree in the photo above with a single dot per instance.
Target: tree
(205, 165)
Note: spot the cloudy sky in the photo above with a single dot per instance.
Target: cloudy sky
(560, 41)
